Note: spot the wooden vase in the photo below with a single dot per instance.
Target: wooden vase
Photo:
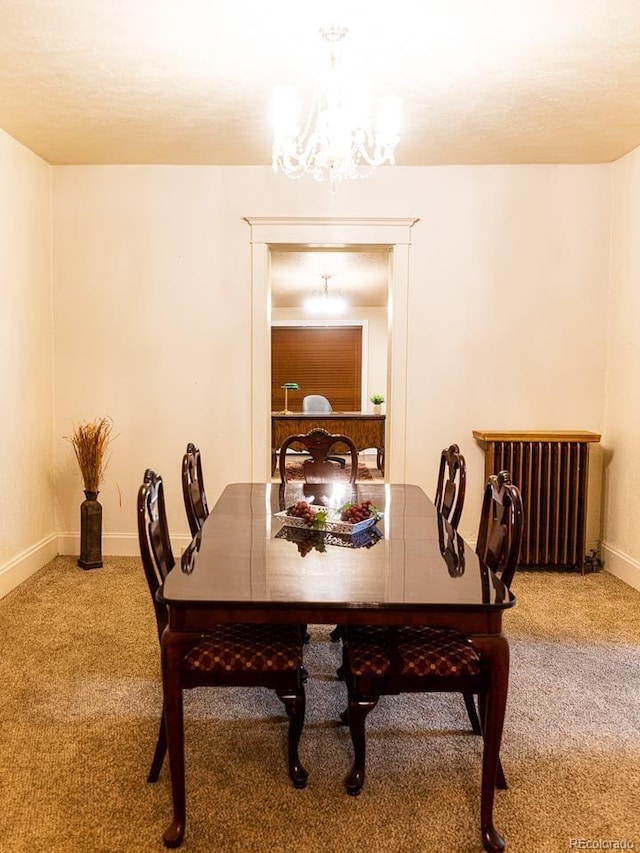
(90, 532)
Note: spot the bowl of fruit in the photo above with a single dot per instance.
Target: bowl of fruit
(303, 514)
(349, 518)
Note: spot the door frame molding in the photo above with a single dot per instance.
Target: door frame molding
(394, 233)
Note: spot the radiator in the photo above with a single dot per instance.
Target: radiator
(552, 472)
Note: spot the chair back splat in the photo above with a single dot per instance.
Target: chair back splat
(195, 498)
(501, 525)
(319, 468)
(316, 403)
(452, 480)
(155, 545)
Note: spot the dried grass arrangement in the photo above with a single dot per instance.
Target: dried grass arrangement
(90, 442)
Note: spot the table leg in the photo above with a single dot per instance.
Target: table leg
(172, 654)
(495, 653)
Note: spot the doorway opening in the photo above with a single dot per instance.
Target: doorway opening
(269, 235)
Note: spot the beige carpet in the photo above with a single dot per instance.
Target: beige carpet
(79, 709)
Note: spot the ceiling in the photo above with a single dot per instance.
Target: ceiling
(360, 274)
(190, 82)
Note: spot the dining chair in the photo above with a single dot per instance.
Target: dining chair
(318, 443)
(320, 405)
(318, 469)
(450, 489)
(388, 661)
(193, 492)
(228, 655)
(449, 501)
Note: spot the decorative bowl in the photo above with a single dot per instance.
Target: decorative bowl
(332, 522)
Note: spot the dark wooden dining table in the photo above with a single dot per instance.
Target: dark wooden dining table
(245, 566)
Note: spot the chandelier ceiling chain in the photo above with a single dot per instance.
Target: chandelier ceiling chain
(339, 139)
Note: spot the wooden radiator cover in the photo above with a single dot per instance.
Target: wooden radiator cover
(551, 471)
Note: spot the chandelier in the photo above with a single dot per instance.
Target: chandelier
(323, 302)
(339, 139)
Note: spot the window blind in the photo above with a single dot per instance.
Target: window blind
(323, 360)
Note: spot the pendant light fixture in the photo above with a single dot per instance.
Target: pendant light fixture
(325, 303)
(339, 138)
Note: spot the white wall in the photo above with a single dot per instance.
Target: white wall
(508, 305)
(622, 423)
(507, 300)
(151, 319)
(27, 530)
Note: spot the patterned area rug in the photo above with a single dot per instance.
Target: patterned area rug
(294, 473)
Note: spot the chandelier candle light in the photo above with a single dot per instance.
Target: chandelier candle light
(339, 139)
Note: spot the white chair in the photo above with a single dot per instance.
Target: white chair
(316, 403)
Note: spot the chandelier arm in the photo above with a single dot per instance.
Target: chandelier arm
(334, 144)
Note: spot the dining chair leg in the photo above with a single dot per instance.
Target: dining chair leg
(294, 703)
(472, 713)
(172, 654)
(357, 714)
(336, 634)
(160, 751)
(501, 780)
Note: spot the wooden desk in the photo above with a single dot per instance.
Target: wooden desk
(365, 430)
(238, 569)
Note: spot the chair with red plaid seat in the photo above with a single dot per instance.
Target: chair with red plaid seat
(228, 655)
(381, 661)
(449, 501)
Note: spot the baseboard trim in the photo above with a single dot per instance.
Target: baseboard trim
(116, 544)
(13, 573)
(621, 565)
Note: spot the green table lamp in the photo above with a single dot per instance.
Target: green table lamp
(288, 386)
